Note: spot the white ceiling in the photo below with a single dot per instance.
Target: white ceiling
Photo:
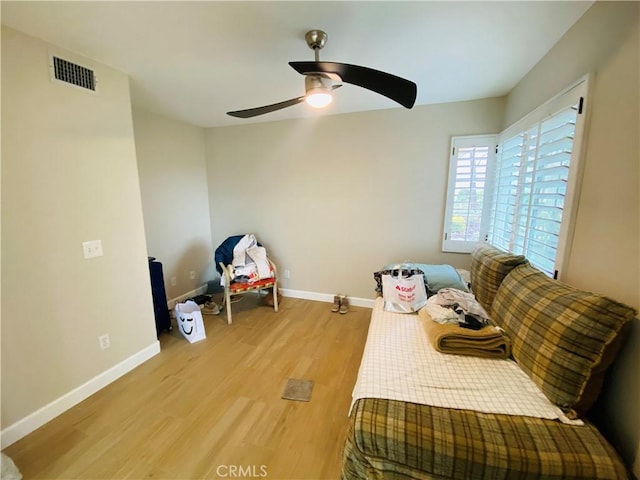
(194, 61)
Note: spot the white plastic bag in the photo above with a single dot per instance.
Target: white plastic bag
(8, 469)
(189, 319)
(403, 294)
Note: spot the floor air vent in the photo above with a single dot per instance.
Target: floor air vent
(72, 73)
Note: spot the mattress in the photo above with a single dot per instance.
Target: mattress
(399, 363)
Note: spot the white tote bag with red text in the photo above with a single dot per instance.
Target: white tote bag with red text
(403, 294)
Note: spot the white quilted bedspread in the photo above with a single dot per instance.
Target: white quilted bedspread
(399, 363)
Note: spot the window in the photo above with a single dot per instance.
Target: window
(527, 188)
(466, 207)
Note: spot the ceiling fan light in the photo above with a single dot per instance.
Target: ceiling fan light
(318, 97)
(318, 90)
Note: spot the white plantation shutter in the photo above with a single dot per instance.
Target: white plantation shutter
(535, 175)
(522, 199)
(466, 207)
(506, 192)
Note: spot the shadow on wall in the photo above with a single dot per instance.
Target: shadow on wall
(621, 394)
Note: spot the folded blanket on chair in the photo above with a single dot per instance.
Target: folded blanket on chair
(488, 342)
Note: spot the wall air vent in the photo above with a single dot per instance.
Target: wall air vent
(73, 74)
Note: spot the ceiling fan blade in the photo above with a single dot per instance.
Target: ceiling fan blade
(254, 112)
(396, 88)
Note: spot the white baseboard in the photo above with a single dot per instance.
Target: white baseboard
(286, 292)
(325, 297)
(198, 291)
(31, 422)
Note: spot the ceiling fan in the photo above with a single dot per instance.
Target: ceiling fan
(322, 78)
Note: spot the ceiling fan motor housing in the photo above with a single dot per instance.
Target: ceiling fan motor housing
(316, 82)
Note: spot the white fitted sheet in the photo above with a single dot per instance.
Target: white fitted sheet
(399, 363)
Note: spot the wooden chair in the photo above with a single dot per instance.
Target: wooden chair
(238, 288)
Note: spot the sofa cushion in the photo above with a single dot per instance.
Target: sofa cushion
(562, 337)
(400, 440)
(489, 267)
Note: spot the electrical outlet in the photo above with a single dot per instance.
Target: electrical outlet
(92, 248)
(193, 275)
(104, 341)
(174, 281)
(287, 274)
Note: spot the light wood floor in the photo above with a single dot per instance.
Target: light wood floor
(213, 409)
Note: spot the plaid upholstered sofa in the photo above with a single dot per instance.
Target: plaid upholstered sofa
(564, 339)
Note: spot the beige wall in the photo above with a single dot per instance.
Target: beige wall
(605, 255)
(175, 199)
(336, 198)
(68, 175)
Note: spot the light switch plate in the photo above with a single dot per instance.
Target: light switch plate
(92, 248)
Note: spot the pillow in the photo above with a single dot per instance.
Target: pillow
(489, 266)
(562, 337)
(441, 276)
